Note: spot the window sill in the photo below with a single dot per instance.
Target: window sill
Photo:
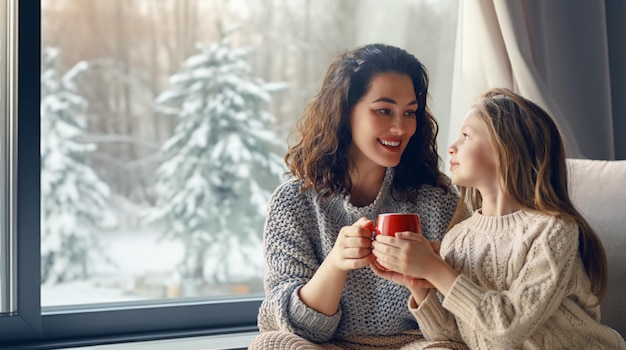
(210, 342)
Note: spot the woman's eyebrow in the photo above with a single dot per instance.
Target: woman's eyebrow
(392, 101)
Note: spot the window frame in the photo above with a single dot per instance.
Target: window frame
(25, 321)
(32, 326)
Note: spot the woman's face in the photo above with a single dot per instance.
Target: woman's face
(473, 158)
(383, 121)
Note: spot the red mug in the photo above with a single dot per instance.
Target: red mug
(390, 223)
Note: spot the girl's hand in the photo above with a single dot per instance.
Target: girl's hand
(353, 248)
(436, 245)
(390, 275)
(399, 278)
(409, 254)
(413, 256)
(418, 287)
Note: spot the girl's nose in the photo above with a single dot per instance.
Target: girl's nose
(452, 148)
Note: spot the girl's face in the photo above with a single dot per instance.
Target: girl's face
(473, 158)
(383, 121)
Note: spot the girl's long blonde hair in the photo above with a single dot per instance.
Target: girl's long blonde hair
(531, 162)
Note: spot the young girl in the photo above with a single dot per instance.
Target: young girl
(525, 270)
(366, 146)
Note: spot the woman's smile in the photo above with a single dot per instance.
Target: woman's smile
(391, 145)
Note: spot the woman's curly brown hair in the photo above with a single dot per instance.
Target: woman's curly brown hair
(320, 155)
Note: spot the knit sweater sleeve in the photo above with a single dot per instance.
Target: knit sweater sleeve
(436, 323)
(290, 262)
(505, 318)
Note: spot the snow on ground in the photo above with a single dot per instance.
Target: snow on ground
(144, 269)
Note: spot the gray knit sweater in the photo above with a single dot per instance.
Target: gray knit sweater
(300, 232)
(522, 286)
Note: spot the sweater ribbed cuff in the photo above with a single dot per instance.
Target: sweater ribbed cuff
(463, 298)
(428, 311)
(304, 317)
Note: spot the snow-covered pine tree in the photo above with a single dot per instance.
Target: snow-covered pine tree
(220, 165)
(73, 198)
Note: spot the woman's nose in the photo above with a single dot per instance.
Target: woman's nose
(399, 125)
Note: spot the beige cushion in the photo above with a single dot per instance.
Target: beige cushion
(598, 190)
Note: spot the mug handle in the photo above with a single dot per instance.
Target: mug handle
(373, 229)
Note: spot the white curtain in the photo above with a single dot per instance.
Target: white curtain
(552, 52)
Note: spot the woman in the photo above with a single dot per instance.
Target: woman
(366, 146)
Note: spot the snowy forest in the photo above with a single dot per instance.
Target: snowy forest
(164, 124)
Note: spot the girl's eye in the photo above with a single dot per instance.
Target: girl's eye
(465, 136)
(385, 111)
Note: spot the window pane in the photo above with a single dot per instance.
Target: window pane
(164, 124)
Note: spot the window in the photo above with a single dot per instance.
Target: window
(152, 194)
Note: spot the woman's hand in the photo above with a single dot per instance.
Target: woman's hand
(353, 248)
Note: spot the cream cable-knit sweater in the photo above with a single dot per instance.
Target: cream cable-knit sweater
(522, 286)
(301, 230)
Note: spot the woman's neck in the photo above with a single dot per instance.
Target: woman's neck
(366, 185)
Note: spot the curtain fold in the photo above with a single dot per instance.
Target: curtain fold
(552, 52)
